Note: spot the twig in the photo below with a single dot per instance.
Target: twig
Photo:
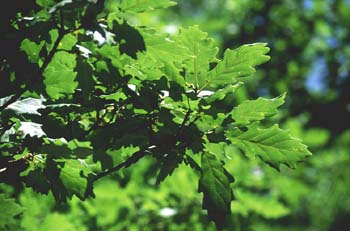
(47, 61)
(131, 160)
(12, 100)
(187, 116)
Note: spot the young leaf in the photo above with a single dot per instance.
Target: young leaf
(236, 63)
(255, 110)
(202, 52)
(215, 185)
(274, 145)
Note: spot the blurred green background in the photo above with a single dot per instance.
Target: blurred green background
(310, 60)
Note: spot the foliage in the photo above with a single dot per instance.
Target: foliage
(309, 43)
(87, 93)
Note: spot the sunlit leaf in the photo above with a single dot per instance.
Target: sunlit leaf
(138, 6)
(202, 52)
(32, 129)
(60, 75)
(273, 145)
(27, 106)
(74, 177)
(255, 110)
(236, 64)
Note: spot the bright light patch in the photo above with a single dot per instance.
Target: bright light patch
(167, 212)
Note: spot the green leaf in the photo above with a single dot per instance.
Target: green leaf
(80, 149)
(85, 77)
(255, 110)
(116, 96)
(222, 93)
(160, 58)
(45, 3)
(220, 150)
(201, 51)
(273, 145)
(236, 63)
(265, 205)
(118, 156)
(206, 123)
(62, 148)
(37, 180)
(138, 6)
(164, 49)
(215, 185)
(60, 75)
(50, 222)
(316, 137)
(74, 177)
(145, 68)
(67, 43)
(8, 209)
(32, 50)
(55, 147)
(169, 164)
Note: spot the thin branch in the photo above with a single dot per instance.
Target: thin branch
(12, 100)
(96, 124)
(131, 160)
(47, 61)
(187, 116)
(52, 52)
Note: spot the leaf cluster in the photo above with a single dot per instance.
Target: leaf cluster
(88, 93)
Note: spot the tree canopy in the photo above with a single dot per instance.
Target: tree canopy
(98, 101)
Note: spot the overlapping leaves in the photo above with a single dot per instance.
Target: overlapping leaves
(171, 96)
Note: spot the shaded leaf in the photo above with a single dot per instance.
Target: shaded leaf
(85, 77)
(215, 186)
(129, 38)
(169, 164)
(62, 148)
